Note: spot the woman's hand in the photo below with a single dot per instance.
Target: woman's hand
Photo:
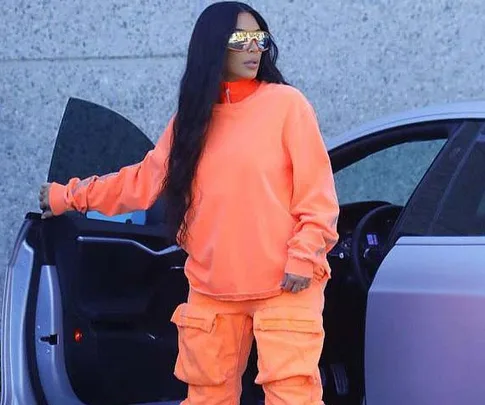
(44, 201)
(293, 283)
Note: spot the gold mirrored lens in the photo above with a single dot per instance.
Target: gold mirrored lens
(240, 40)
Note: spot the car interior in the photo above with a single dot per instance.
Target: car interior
(120, 281)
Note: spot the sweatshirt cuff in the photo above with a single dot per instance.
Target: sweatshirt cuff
(57, 201)
(306, 268)
(299, 267)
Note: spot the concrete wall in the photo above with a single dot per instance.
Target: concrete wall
(355, 59)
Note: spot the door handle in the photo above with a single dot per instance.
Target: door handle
(122, 241)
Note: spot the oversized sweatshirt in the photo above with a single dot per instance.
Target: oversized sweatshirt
(264, 194)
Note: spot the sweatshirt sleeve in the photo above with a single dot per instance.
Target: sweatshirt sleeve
(133, 188)
(314, 201)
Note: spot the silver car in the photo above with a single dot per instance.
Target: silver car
(88, 298)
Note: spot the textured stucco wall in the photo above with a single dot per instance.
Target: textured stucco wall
(355, 60)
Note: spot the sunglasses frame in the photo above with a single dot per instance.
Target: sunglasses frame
(250, 36)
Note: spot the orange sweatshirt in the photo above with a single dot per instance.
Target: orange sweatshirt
(264, 195)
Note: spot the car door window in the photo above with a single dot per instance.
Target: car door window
(462, 211)
(389, 175)
(93, 140)
(447, 199)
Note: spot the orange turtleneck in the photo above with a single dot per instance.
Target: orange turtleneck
(234, 92)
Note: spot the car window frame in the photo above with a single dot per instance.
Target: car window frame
(380, 194)
(349, 153)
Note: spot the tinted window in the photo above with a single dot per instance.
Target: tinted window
(462, 212)
(389, 175)
(434, 208)
(94, 140)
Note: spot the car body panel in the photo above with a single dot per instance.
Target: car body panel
(425, 325)
(50, 357)
(16, 383)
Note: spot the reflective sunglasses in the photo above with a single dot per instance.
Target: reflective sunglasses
(242, 40)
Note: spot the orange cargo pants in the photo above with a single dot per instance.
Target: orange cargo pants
(215, 339)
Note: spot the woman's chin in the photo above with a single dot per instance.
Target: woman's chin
(249, 75)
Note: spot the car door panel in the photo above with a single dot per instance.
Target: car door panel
(119, 285)
(17, 388)
(387, 166)
(50, 357)
(425, 327)
(107, 285)
(49, 340)
(424, 323)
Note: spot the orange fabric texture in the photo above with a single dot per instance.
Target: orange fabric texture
(264, 195)
(215, 339)
(234, 92)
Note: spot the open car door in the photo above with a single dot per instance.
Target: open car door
(89, 298)
(406, 305)
(425, 324)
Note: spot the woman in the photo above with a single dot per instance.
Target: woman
(251, 198)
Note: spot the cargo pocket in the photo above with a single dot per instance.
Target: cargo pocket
(198, 359)
(290, 342)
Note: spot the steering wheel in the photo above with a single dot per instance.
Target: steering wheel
(365, 258)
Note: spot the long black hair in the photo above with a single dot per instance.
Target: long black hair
(199, 91)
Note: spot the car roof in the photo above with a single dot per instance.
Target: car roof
(451, 111)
